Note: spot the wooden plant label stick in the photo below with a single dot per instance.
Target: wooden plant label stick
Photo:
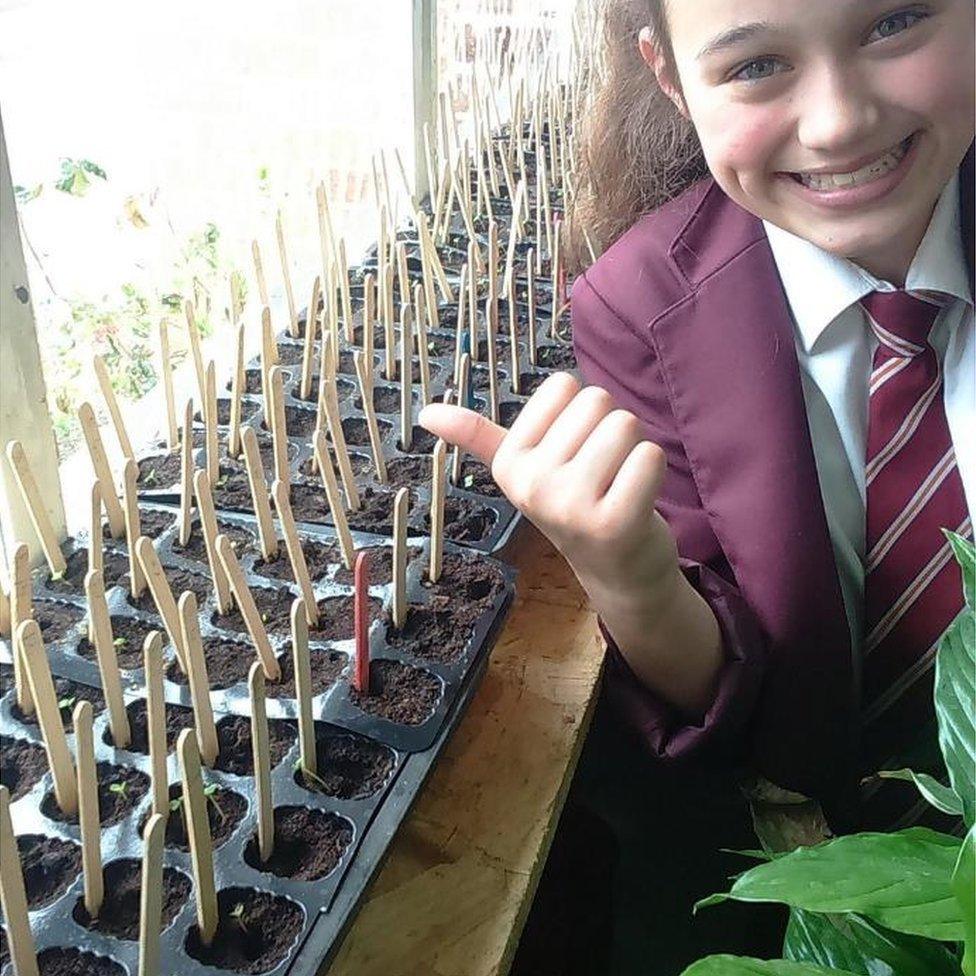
(259, 494)
(513, 338)
(360, 672)
(345, 293)
(269, 352)
(105, 384)
(324, 459)
(325, 244)
(151, 894)
(403, 275)
(491, 317)
(99, 460)
(422, 345)
(296, 556)
(259, 274)
(186, 475)
(261, 751)
(28, 637)
(400, 503)
(330, 403)
(133, 529)
(406, 379)
(279, 429)
(96, 558)
(107, 658)
(369, 316)
(196, 670)
(286, 275)
(208, 523)
(248, 608)
(530, 275)
(13, 896)
(210, 422)
(152, 657)
(462, 399)
(198, 833)
(166, 371)
(163, 596)
(193, 335)
(388, 335)
(236, 392)
(460, 322)
(88, 818)
(303, 686)
(311, 330)
(438, 490)
(493, 269)
(366, 392)
(472, 302)
(5, 608)
(21, 610)
(557, 298)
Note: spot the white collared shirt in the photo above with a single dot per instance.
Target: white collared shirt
(835, 347)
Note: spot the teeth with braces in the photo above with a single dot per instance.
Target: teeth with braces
(832, 181)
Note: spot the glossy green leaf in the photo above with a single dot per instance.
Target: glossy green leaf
(856, 944)
(941, 797)
(965, 553)
(899, 880)
(955, 708)
(744, 966)
(964, 888)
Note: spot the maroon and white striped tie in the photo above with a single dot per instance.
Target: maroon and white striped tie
(912, 589)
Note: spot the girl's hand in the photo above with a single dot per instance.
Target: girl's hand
(585, 474)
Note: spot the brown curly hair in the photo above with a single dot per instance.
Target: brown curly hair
(634, 149)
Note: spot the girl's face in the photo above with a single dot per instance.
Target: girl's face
(838, 120)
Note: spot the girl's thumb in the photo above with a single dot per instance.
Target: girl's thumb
(471, 431)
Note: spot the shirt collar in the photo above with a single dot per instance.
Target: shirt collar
(819, 285)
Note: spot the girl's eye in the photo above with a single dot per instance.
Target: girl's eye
(756, 70)
(895, 24)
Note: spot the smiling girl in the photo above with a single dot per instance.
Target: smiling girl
(779, 351)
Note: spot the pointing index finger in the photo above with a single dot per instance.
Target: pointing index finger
(470, 430)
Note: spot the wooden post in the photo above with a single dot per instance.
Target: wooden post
(236, 392)
(193, 334)
(21, 610)
(332, 495)
(530, 326)
(186, 475)
(330, 403)
(166, 372)
(105, 384)
(308, 352)
(400, 502)
(14, 897)
(88, 817)
(366, 392)
(196, 670)
(210, 422)
(163, 595)
(303, 685)
(33, 502)
(279, 429)
(406, 378)
(151, 894)
(108, 663)
(437, 512)
(360, 671)
(28, 637)
(99, 460)
(491, 313)
(259, 494)
(208, 523)
(286, 275)
(152, 656)
(198, 832)
(133, 529)
(422, 345)
(261, 751)
(296, 556)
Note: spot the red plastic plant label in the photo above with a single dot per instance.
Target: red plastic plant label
(360, 671)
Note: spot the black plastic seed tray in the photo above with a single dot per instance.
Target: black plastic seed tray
(434, 676)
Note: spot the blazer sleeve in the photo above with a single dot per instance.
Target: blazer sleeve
(612, 356)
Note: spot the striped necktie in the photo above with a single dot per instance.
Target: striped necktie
(912, 590)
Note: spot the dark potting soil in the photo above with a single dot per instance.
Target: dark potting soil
(234, 742)
(375, 513)
(50, 864)
(502, 345)
(241, 540)
(465, 520)
(73, 579)
(430, 633)
(336, 620)
(4, 948)
(399, 692)
(56, 619)
(274, 606)
(160, 471)
(252, 382)
(476, 476)
(74, 962)
(465, 582)
(556, 357)
(6, 678)
(290, 353)
(248, 410)
(530, 382)
(344, 389)
(119, 914)
(252, 938)
(386, 399)
(409, 470)
(326, 667)
(300, 422)
(359, 462)
(422, 441)
(380, 565)
(356, 431)
(508, 411)
(233, 490)
(113, 804)
(129, 635)
(153, 522)
(349, 766)
(225, 810)
(22, 764)
(318, 558)
(179, 580)
(177, 719)
(68, 694)
(308, 844)
(228, 662)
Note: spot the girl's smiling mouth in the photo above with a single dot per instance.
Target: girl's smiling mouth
(859, 184)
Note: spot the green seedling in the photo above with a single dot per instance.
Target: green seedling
(55, 577)
(121, 788)
(264, 618)
(222, 480)
(67, 703)
(120, 641)
(468, 480)
(237, 914)
(307, 774)
(210, 792)
(150, 477)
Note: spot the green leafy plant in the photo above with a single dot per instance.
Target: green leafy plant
(237, 914)
(75, 176)
(121, 788)
(886, 903)
(210, 792)
(66, 704)
(120, 641)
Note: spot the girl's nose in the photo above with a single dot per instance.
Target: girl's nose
(837, 110)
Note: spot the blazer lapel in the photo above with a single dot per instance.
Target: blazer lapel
(728, 358)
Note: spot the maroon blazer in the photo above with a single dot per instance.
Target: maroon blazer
(684, 321)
